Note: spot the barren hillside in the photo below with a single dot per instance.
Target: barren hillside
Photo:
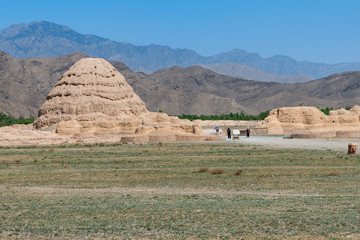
(24, 85)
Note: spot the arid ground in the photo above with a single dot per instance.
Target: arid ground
(225, 190)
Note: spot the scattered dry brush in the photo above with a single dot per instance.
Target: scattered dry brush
(217, 171)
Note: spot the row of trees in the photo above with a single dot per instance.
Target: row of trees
(6, 120)
(230, 116)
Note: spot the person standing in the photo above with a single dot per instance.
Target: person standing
(229, 133)
(217, 129)
(247, 132)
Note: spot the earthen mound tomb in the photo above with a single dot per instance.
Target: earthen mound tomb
(92, 97)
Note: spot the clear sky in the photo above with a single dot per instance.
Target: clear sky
(315, 30)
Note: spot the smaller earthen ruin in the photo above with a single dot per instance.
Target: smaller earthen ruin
(310, 122)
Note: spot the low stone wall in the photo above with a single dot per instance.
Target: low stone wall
(164, 138)
(258, 131)
(324, 134)
(347, 134)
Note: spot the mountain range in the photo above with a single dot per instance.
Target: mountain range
(25, 83)
(244, 71)
(46, 39)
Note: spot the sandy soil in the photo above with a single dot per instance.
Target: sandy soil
(280, 142)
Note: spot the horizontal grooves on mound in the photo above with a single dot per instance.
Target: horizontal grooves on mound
(87, 106)
(84, 80)
(69, 95)
(106, 93)
(73, 74)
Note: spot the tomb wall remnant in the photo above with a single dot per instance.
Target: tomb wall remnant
(310, 122)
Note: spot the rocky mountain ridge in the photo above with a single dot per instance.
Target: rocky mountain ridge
(46, 39)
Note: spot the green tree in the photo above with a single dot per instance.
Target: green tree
(6, 120)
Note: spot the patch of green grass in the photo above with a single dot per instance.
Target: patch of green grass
(6, 120)
(151, 191)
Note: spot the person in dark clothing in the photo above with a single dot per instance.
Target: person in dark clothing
(229, 133)
(248, 132)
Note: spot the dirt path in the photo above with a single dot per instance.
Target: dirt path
(53, 191)
(280, 142)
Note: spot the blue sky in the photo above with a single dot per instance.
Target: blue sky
(314, 30)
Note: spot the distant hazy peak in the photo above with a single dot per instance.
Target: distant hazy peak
(45, 28)
(244, 71)
(280, 58)
(36, 26)
(46, 39)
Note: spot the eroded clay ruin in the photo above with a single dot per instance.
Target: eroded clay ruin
(310, 122)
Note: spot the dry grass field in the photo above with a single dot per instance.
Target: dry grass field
(178, 191)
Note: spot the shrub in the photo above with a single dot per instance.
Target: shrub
(217, 171)
(205, 169)
(333, 174)
(238, 172)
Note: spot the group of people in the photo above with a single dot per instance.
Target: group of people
(217, 129)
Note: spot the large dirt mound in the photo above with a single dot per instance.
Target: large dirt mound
(92, 89)
(93, 97)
